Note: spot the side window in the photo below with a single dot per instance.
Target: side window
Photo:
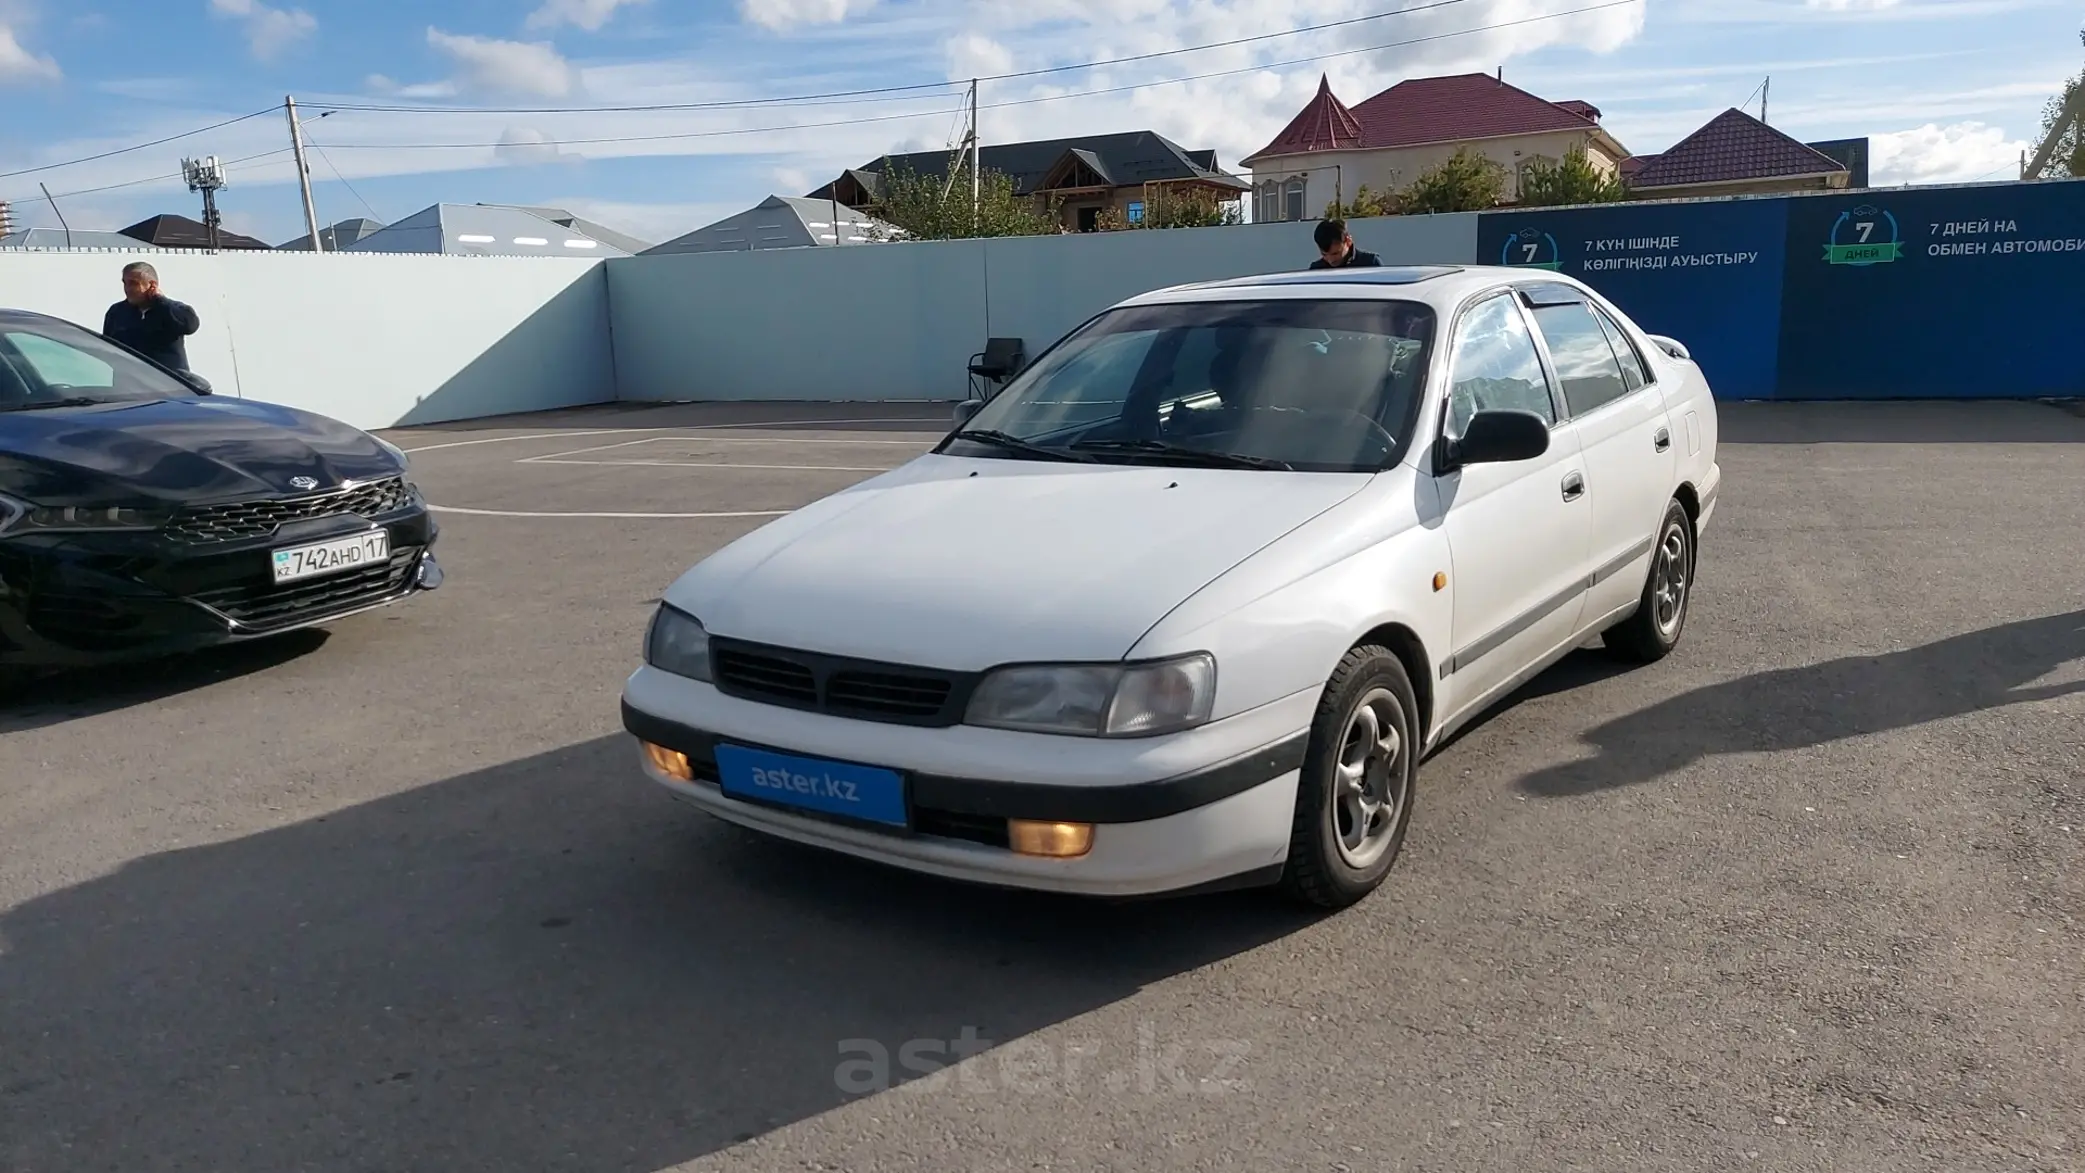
(59, 365)
(1495, 366)
(1585, 362)
(1633, 373)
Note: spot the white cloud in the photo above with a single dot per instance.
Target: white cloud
(586, 14)
(1960, 153)
(528, 147)
(977, 55)
(268, 30)
(782, 14)
(18, 64)
(1851, 5)
(512, 67)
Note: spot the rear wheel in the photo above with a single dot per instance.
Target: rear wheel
(1661, 614)
(1354, 797)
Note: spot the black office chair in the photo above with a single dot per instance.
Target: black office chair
(999, 361)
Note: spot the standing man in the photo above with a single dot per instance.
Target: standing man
(1336, 249)
(149, 321)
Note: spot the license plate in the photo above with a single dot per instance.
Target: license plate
(300, 562)
(836, 788)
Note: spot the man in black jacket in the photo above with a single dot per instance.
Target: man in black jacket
(1336, 249)
(149, 321)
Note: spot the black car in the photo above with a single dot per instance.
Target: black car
(141, 515)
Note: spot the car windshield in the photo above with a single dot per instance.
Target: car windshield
(1319, 385)
(44, 362)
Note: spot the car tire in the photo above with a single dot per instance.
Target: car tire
(1668, 590)
(1359, 770)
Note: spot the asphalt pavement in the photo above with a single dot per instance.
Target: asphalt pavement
(1808, 895)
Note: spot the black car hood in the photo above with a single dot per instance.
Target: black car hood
(180, 451)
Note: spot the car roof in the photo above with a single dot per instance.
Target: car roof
(1441, 286)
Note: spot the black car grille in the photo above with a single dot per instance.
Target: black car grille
(894, 693)
(265, 606)
(252, 519)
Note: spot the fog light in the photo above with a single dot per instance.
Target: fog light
(671, 763)
(1056, 840)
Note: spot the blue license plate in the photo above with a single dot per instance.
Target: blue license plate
(835, 788)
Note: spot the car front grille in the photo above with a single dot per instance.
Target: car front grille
(265, 607)
(202, 524)
(899, 694)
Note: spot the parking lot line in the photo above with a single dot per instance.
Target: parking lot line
(680, 428)
(717, 464)
(617, 516)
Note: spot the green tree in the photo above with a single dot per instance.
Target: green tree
(1364, 203)
(1170, 207)
(1548, 183)
(929, 207)
(2061, 117)
(1464, 182)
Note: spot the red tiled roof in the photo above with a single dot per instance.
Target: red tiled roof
(1733, 146)
(1585, 110)
(1425, 110)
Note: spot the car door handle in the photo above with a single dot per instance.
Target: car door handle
(1574, 486)
(1663, 439)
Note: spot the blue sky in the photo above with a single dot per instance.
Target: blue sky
(1949, 90)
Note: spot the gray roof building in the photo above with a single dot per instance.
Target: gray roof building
(488, 230)
(338, 236)
(59, 238)
(782, 222)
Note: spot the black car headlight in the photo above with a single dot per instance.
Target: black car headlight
(20, 517)
(676, 642)
(1098, 700)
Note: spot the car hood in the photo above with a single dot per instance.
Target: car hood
(179, 450)
(965, 563)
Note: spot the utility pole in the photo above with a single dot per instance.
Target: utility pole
(311, 215)
(973, 156)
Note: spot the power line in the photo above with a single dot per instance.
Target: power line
(616, 139)
(814, 99)
(161, 178)
(140, 146)
(321, 152)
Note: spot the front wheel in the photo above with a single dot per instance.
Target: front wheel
(1652, 633)
(1354, 796)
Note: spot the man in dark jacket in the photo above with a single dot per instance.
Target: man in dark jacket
(1336, 249)
(149, 321)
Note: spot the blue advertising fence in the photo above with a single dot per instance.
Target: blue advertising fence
(1965, 292)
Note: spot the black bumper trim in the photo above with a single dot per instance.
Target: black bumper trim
(1133, 802)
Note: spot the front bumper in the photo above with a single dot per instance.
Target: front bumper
(1223, 821)
(79, 599)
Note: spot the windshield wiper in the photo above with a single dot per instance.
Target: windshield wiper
(1177, 452)
(39, 405)
(999, 439)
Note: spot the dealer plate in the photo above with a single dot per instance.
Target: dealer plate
(836, 788)
(332, 557)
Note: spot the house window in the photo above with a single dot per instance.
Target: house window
(1294, 211)
(1136, 211)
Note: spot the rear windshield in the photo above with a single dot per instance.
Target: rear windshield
(1304, 384)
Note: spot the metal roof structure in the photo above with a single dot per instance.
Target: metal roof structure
(338, 236)
(1423, 111)
(1119, 160)
(487, 230)
(781, 222)
(1731, 147)
(59, 238)
(172, 231)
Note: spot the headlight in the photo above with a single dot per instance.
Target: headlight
(1098, 700)
(22, 517)
(677, 643)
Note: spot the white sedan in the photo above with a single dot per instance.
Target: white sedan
(1186, 604)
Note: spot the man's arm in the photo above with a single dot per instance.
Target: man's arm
(183, 315)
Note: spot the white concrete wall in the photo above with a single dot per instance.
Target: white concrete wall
(900, 321)
(372, 340)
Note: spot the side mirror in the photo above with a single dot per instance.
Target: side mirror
(965, 410)
(1498, 437)
(196, 383)
(1670, 346)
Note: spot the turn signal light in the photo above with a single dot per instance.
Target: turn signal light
(671, 763)
(1055, 840)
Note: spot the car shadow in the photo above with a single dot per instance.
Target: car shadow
(542, 965)
(55, 698)
(1816, 704)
